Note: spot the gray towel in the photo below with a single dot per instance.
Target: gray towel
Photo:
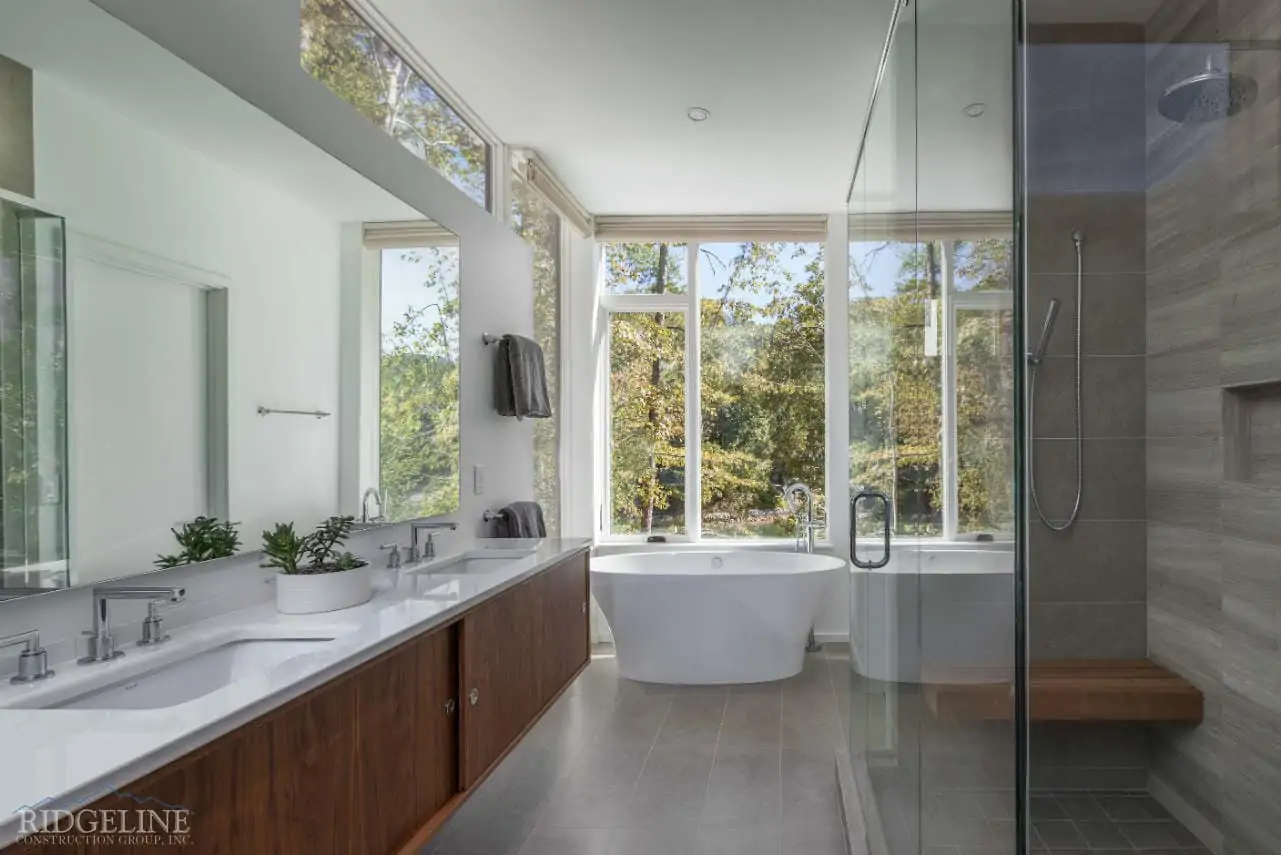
(520, 380)
(521, 519)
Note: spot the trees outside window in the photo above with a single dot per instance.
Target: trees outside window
(342, 51)
(760, 415)
(418, 440)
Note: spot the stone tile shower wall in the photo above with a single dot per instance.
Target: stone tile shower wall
(1214, 422)
(1088, 585)
(1086, 171)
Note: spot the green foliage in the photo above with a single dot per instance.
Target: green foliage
(202, 539)
(343, 52)
(418, 410)
(283, 548)
(762, 387)
(286, 550)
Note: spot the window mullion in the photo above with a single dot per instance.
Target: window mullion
(693, 401)
(951, 491)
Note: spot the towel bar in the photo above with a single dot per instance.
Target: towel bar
(490, 516)
(319, 414)
(490, 339)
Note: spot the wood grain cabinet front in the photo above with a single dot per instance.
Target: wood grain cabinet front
(372, 762)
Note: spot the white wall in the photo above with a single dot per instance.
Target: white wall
(252, 48)
(123, 182)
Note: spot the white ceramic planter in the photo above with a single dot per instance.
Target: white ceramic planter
(310, 593)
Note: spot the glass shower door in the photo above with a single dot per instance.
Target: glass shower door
(932, 433)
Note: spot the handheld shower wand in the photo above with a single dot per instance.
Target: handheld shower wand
(1035, 358)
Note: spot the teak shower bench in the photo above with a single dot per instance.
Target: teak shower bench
(1134, 690)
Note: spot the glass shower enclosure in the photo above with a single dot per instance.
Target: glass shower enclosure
(1064, 630)
(932, 377)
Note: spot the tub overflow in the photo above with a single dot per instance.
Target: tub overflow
(717, 563)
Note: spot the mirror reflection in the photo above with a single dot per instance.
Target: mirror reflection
(182, 307)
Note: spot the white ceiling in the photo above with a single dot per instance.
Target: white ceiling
(600, 90)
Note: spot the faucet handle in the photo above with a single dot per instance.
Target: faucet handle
(152, 631)
(33, 662)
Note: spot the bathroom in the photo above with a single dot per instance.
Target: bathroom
(909, 496)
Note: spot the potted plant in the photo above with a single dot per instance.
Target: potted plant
(314, 574)
(202, 539)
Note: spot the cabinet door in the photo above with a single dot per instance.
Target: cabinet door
(436, 722)
(313, 753)
(575, 647)
(385, 690)
(500, 685)
(565, 636)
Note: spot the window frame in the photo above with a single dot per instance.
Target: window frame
(686, 303)
(369, 454)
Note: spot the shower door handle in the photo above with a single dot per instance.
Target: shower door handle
(885, 554)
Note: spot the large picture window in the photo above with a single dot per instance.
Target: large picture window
(716, 385)
(342, 51)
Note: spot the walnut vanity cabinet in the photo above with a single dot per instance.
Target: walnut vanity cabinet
(374, 761)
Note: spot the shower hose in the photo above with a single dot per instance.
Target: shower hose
(1077, 240)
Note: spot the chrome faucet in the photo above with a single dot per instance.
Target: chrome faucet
(805, 525)
(428, 551)
(364, 506)
(805, 528)
(102, 645)
(33, 662)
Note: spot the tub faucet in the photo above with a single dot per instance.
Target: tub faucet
(805, 525)
(805, 528)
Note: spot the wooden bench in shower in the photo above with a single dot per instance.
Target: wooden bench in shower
(1099, 690)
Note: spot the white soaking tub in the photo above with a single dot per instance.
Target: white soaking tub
(701, 617)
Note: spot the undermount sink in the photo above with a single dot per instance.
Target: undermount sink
(471, 566)
(192, 677)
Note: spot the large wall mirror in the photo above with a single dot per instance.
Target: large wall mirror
(181, 366)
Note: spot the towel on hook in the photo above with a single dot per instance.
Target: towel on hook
(520, 379)
(521, 519)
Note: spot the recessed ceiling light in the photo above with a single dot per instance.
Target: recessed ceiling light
(975, 110)
(698, 114)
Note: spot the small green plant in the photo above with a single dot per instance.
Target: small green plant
(202, 539)
(317, 552)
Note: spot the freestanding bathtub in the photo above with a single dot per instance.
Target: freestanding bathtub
(701, 617)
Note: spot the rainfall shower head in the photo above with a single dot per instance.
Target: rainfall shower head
(1209, 96)
(1037, 356)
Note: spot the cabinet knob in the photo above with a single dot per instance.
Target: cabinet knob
(450, 706)
(473, 696)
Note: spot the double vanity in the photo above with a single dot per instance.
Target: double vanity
(353, 731)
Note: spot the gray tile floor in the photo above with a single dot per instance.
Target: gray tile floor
(1111, 823)
(623, 768)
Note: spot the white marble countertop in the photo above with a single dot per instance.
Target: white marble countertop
(64, 759)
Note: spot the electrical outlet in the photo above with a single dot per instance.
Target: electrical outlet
(478, 480)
